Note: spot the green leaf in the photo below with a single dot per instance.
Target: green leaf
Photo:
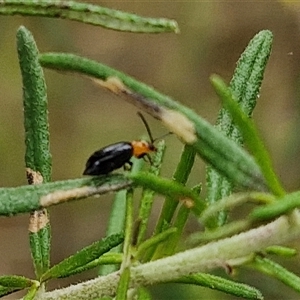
(12, 283)
(39, 240)
(28, 198)
(170, 247)
(281, 251)
(143, 294)
(110, 259)
(246, 81)
(249, 133)
(15, 281)
(181, 175)
(167, 187)
(245, 85)
(282, 206)
(32, 291)
(37, 156)
(117, 217)
(115, 225)
(128, 231)
(152, 242)
(234, 200)
(275, 270)
(226, 230)
(223, 285)
(88, 13)
(83, 257)
(24, 199)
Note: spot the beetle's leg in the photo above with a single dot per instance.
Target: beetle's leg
(147, 158)
(128, 165)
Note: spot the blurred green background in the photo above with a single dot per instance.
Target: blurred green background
(84, 118)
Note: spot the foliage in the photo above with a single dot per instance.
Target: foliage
(130, 261)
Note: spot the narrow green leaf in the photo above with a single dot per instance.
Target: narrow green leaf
(24, 199)
(88, 13)
(4, 291)
(153, 241)
(37, 156)
(219, 232)
(28, 198)
(234, 200)
(117, 218)
(222, 153)
(13, 283)
(250, 134)
(124, 281)
(115, 225)
(83, 257)
(39, 240)
(282, 206)
(143, 294)
(110, 259)
(281, 251)
(181, 174)
(168, 248)
(167, 187)
(32, 291)
(245, 85)
(246, 81)
(277, 271)
(224, 285)
(128, 231)
(123, 285)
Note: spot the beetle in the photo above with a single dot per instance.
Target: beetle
(116, 155)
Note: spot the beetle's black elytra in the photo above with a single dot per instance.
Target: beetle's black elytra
(116, 155)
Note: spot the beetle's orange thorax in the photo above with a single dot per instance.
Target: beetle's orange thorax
(141, 148)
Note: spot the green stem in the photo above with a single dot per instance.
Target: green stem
(115, 225)
(182, 216)
(128, 231)
(117, 218)
(181, 175)
(200, 259)
(123, 283)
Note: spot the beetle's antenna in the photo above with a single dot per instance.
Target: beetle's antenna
(162, 136)
(147, 126)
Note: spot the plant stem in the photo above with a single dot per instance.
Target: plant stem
(207, 257)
